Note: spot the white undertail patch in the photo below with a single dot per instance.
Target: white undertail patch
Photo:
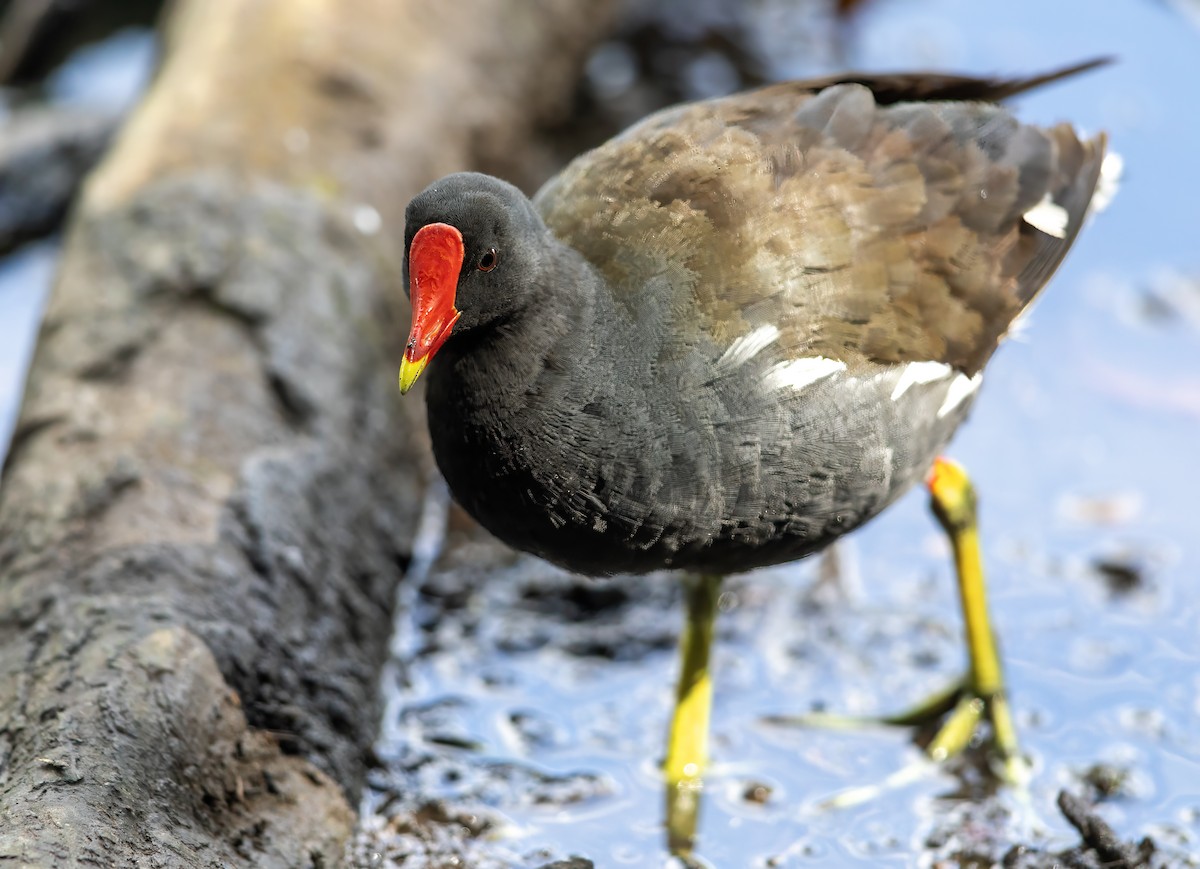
(961, 387)
(748, 346)
(1112, 167)
(915, 373)
(1050, 217)
(1018, 329)
(799, 373)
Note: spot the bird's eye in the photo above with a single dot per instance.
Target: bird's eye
(489, 260)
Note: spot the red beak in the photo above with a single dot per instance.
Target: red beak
(435, 259)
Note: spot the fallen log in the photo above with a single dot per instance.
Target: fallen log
(211, 491)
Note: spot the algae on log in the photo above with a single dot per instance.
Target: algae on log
(212, 488)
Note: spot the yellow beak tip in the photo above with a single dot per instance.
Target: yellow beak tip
(410, 371)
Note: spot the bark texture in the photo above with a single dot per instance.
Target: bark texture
(213, 485)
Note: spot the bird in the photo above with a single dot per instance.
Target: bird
(737, 331)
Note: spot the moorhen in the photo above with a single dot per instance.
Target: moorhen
(737, 331)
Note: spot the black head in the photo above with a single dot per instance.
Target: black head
(500, 233)
(478, 248)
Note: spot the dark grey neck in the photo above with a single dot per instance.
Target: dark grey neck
(495, 374)
(532, 402)
(547, 427)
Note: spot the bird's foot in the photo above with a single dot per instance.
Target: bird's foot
(958, 713)
(960, 710)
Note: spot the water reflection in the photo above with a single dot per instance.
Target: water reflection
(108, 75)
(24, 285)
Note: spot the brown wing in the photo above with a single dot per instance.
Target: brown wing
(863, 232)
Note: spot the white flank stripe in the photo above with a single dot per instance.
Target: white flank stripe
(748, 346)
(799, 373)
(960, 387)
(1050, 217)
(920, 372)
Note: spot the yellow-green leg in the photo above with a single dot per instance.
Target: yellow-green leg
(980, 694)
(687, 741)
(952, 498)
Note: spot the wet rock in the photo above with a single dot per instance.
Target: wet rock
(1123, 573)
(1101, 847)
(1099, 838)
(757, 792)
(44, 155)
(1106, 780)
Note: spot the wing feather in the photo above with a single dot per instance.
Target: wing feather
(864, 232)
